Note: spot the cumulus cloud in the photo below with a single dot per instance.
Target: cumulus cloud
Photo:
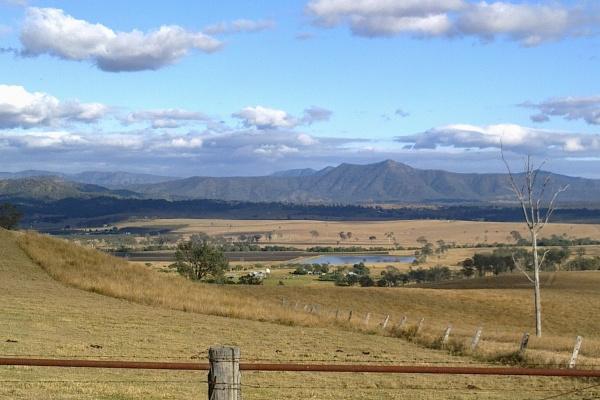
(529, 24)
(166, 118)
(385, 17)
(265, 118)
(239, 26)
(262, 118)
(51, 31)
(570, 108)
(513, 137)
(20, 108)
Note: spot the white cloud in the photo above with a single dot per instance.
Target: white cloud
(571, 108)
(513, 137)
(306, 140)
(51, 31)
(387, 17)
(44, 140)
(265, 118)
(165, 118)
(275, 151)
(20, 108)
(529, 24)
(270, 118)
(239, 26)
(186, 143)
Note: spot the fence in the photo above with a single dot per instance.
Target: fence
(386, 323)
(225, 379)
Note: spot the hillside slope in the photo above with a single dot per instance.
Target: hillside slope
(70, 323)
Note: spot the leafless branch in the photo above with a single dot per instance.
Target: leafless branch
(520, 268)
(518, 192)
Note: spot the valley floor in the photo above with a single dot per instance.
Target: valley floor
(40, 317)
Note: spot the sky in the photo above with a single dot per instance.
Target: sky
(226, 88)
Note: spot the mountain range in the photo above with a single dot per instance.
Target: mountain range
(384, 182)
(112, 180)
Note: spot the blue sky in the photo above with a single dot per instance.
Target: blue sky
(244, 88)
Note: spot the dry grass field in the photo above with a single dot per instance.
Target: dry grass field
(47, 318)
(298, 233)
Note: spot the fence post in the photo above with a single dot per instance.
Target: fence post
(524, 343)
(446, 334)
(573, 361)
(476, 338)
(337, 313)
(385, 322)
(402, 322)
(420, 326)
(224, 378)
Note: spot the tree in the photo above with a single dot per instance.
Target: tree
(531, 194)
(314, 234)
(10, 216)
(389, 236)
(198, 259)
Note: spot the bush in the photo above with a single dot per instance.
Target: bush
(366, 281)
(250, 279)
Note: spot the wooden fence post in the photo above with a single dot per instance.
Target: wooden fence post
(402, 322)
(349, 315)
(337, 313)
(385, 322)
(524, 343)
(446, 334)
(367, 318)
(224, 378)
(420, 326)
(476, 339)
(573, 361)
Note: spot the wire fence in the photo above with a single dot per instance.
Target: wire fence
(548, 393)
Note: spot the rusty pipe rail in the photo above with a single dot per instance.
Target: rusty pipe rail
(281, 367)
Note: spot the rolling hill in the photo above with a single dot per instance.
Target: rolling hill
(385, 182)
(112, 180)
(54, 188)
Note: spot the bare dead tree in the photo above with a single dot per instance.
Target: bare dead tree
(530, 194)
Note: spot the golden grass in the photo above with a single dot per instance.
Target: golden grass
(48, 319)
(101, 273)
(504, 313)
(297, 233)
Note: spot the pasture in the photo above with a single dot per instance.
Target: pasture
(134, 312)
(363, 233)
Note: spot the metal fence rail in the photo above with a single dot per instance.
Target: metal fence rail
(287, 367)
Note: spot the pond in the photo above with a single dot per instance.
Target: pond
(355, 259)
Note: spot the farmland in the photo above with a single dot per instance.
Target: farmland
(128, 317)
(364, 233)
